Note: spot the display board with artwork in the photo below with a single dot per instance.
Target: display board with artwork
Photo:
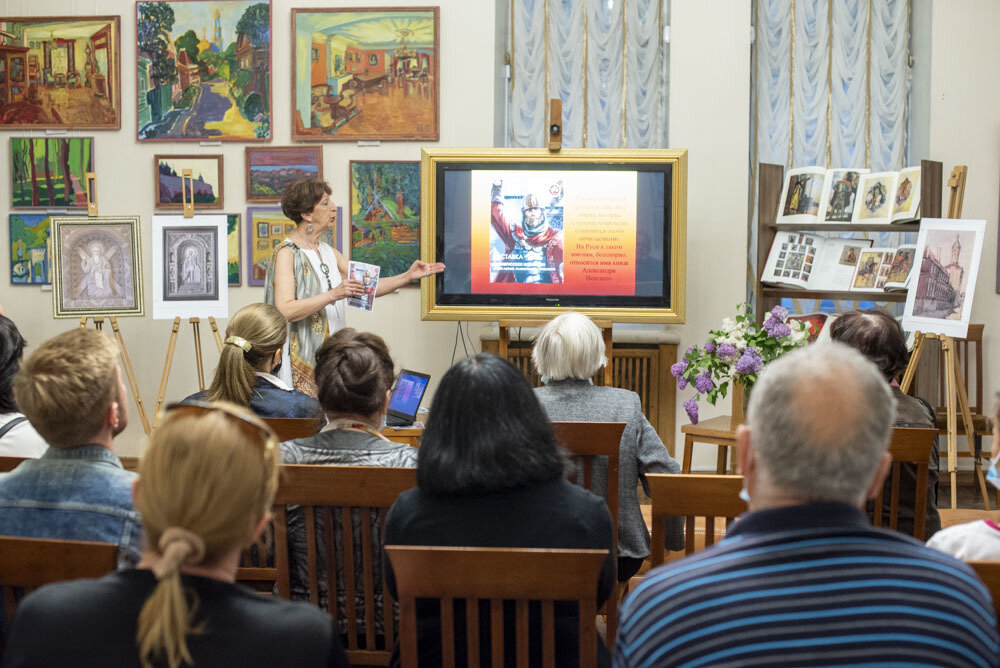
(189, 274)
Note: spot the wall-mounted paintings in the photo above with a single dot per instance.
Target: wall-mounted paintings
(61, 72)
(270, 170)
(50, 173)
(203, 70)
(234, 249)
(189, 275)
(266, 228)
(365, 73)
(385, 214)
(29, 248)
(206, 180)
(97, 266)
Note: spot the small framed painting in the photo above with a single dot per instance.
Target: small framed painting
(30, 258)
(262, 222)
(50, 172)
(235, 250)
(206, 178)
(269, 170)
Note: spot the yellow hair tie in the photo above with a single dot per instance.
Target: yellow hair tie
(239, 341)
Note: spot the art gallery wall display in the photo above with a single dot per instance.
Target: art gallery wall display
(30, 259)
(50, 172)
(266, 228)
(940, 297)
(207, 189)
(385, 214)
(203, 70)
(190, 278)
(234, 248)
(843, 195)
(269, 170)
(365, 73)
(60, 72)
(96, 266)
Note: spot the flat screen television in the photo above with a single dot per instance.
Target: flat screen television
(525, 234)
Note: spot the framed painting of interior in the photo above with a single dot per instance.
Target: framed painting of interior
(365, 73)
(271, 169)
(97, 266)
(206, 176)
(203, 70)
(267, 227)
(385, 214)
(60, 72)
(50, 172)
(30, 259)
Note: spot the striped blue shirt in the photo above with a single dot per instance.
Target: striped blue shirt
(810, 585)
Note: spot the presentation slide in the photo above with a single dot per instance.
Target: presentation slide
(556, 233)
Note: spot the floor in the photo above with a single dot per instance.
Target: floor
(399, 110)
(76, 105)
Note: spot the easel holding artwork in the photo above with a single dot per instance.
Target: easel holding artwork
(126, 363)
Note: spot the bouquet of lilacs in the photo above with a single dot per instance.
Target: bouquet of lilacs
(736, 352)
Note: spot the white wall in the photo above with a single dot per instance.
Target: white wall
(965, 130)
(124, 168)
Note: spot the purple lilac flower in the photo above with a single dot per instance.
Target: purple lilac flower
(682, 382)
(678, 369)
(726, 350)
(779, 313)
(749, 362)
(776, 328)
(703, 383)
(691, 406)
(710, 347)
(691, 349)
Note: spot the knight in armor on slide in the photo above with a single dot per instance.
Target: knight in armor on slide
(533, 249)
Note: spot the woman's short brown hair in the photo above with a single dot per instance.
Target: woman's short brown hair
(354, 370)
(302, 197)
(877, 336)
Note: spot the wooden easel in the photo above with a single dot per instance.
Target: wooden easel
(506, 325)
(126, 362)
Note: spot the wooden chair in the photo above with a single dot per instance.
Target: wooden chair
(29, 563)
(290, 428)
(496, 575)
(989, 573)
(691, 496)
(322, 491)
(586, 441)
(912, 446)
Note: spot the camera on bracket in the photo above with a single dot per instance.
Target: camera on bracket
(555, 129)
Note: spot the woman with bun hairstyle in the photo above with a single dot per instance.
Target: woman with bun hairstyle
(248, 367)
(205, 488)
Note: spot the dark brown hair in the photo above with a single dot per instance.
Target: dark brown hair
(302, 197)
(877, 336)
(353, 372)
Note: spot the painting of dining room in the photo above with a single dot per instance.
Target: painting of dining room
(365, 74)
(60, 72)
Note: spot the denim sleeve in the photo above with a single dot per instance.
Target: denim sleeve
(130, 546)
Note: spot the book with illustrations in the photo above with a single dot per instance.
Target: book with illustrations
(840, 190)
(368, 275)
(812, 262)
(800, 196)
(815, 324)
(901, 269)
(906, 207)
(872, 270)
(848, 195)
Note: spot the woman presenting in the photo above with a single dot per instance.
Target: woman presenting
(308, 282)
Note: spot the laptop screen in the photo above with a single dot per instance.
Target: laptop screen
(409, 392)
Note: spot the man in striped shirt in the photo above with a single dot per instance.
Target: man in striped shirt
(803, 578)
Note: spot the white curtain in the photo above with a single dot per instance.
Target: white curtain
(810, 85)
(606, 61)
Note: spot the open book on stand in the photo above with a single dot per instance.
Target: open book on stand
(817, 263)
(841, 195)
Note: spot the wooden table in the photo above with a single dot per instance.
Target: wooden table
(409, 435)
(717, 431)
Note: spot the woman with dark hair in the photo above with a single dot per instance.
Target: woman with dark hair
(307, 280)
(17, 437)
(491, 474)
(879, 337)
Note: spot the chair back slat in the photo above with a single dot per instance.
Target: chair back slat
(287, 429)
(472, 631)
(350, 602)
(367, 560)
(312, 563)
(691, 496)
(330, 549)
(448, 632)
(911, 446)
(548, 634)
(498, 575)
(989, 573)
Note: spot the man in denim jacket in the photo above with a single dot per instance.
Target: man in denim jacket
(71, 391)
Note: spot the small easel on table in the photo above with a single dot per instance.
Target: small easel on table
(506, 325)
(955, 393)
(187, 197)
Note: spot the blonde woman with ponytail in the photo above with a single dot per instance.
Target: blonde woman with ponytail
(249, 366)
(205, 487)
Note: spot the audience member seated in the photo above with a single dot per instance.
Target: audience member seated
(803, 578)
(491, 474)
(248, 367)
(880, 338)
(567, 353)
(206, 483)
(71, 390)
(979, 540)
(354, 375)
(17, 437)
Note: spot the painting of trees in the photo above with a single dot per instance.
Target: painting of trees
(50, 172)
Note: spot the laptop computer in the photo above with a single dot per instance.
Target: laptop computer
(406, 398)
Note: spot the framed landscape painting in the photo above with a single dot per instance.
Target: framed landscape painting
(270, 170)
(385, 214)
(203, 70)
(50, 173)
(61, 72)
(29, 248)
(206, 176)
(365, 73)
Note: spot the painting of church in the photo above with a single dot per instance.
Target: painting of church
(60, 73)
(362, 75)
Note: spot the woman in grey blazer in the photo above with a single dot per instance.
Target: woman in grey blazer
(567, 353)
